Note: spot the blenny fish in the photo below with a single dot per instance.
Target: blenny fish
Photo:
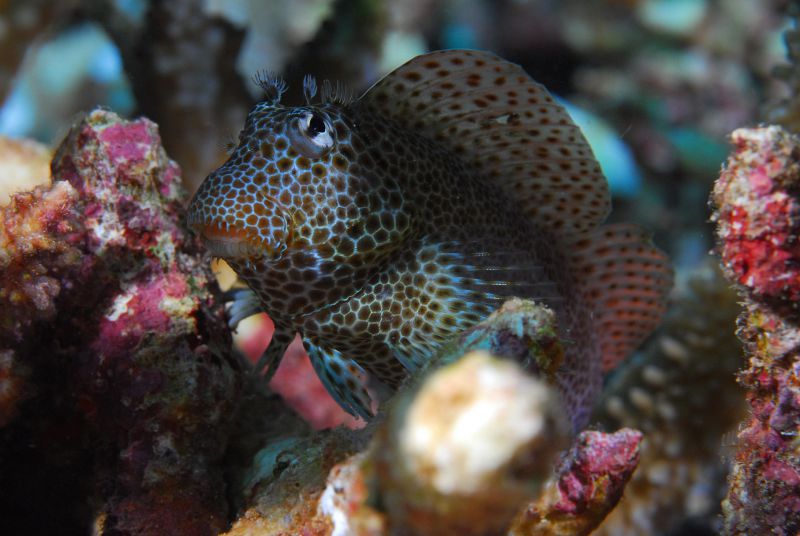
(380, 227)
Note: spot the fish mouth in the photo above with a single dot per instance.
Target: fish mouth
(249, 230)
(233, 242)
(227, 241)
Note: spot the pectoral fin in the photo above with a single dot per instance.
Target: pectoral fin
(343, 378)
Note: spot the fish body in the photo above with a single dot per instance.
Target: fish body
(378, 228)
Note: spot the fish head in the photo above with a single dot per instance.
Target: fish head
(294, 186)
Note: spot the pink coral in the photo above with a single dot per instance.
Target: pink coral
(596, 466)
(758, 224)
(758, 215)
(589, 483)
(106, 299)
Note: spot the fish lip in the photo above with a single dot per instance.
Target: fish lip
(230, 241)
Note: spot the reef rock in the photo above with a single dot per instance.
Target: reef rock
(587, 485)
(106, 311)
(757, 212)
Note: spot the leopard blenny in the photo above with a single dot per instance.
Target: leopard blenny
(379, 227)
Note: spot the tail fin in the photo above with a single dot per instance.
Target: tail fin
(626, 280)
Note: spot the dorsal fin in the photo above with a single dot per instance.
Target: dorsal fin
(625, 279)
(505, 126)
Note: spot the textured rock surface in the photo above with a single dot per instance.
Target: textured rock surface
(588, 484)
(105, 304)
(757, 212)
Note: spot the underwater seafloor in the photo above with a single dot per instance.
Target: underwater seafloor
(124, 410)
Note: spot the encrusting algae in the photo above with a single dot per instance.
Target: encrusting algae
(114, 404)
(381, 227)
(757, 216)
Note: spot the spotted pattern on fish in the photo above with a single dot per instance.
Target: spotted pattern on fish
(379, 228)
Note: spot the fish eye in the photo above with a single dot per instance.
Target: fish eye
(316, 125)
(311, 134)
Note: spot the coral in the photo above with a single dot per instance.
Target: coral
(672, 86)
(464, 449)
(588, 484)
(757, 216)
(346, 498)
(23, 165)
(680, 391)
(464, 453)
(284, 484)
(520, 330)
(106, 301)
(757, 212)
(34, 240)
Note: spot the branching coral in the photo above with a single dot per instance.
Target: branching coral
(465, 449)
(182, 67)
(786, 111)
(680, 391)
(464, 453)
(757, 212)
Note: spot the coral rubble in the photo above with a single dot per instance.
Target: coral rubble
(105, 305)
(757, 212)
